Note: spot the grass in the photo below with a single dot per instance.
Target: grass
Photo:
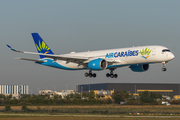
(113, 109)
(126, 108)
(78, 118)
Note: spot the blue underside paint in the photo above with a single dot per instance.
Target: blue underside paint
(115, 66)
(51, 63)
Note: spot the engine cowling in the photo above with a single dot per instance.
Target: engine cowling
(139, 67)
(97, 64)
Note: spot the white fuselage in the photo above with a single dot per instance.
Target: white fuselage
(122, 56)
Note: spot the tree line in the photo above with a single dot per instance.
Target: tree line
(84, 99)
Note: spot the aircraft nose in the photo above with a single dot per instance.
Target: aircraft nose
(171, 56)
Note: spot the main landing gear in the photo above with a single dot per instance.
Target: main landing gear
(164, 66)
(111, 74)
(90, 74)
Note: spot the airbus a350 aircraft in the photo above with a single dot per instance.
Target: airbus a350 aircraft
(137, 58)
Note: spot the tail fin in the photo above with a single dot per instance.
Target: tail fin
(41, 46)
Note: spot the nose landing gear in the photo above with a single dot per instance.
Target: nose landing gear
(90, 74)
(111, 74)
(164, 66)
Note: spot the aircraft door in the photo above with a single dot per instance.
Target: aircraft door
(153, 51)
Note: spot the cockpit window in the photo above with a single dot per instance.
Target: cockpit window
(166, 50)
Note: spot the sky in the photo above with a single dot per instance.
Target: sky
(82, 25)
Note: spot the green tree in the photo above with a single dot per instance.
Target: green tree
(75, 101)
(57, 96)
(147, 97)
(14, 101)
(67, 98)
(2, 96)
(7, 108)
(24, 108)
(71, 95)
(108, 101)
(9, 97)
(157, 95)
(26, 96)
(77, 96)
(84, 95)
(91, 95)
(120, 95)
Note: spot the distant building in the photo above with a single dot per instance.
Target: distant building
(15, 90)
(65, 93)
(103, 93)
(51, 93)
(46, 92)
(176, 97)
(135, 88)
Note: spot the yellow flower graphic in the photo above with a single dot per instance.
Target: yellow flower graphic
(42, 47)
(145, 52)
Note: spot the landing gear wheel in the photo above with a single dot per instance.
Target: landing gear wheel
(164, 66)
(115, 75)
(164, 69)
(107, 75)
(90, 75)
(111, 75)
(86, 74)
(94, 75)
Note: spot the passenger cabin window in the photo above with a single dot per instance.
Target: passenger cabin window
(166, 50)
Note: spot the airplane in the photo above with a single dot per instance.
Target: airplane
(137, 58)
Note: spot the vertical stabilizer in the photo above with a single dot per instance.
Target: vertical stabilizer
(41, 46)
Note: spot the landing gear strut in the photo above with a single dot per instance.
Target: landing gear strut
(90, 74)
(111, 74)
(164, 66)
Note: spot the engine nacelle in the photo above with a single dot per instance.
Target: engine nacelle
(139, 67)
(97, 64)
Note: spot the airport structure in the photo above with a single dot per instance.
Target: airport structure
(135, 88)
(14, 90)
(63, 93)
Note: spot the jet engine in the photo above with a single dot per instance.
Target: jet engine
(139, 67)
(97, 64)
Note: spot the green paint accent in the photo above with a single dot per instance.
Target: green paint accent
(42, 46)
(37, 47)
(145, 51)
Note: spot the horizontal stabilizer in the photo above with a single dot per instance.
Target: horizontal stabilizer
(39, 61)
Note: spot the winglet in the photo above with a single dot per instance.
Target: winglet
(10, 47)
(13, 49)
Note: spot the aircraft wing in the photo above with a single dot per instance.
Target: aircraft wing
(75, 59)
(60, 57)
(39, 61)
